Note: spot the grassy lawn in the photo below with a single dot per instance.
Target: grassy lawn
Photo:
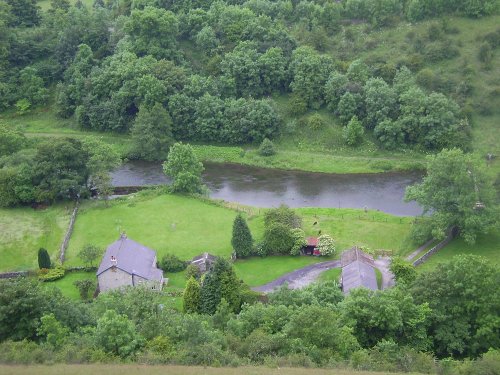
(24, 230)
(331, 275)
(486, 245)
(133, 369)
(66, 283)
(258, 271)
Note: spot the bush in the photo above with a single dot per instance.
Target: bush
(316, 122)
(353, 132)
(326, 245)
(52, 274)
(485, 53)
(278, 239)
(192, 271)
(171, 263)
(266, 148)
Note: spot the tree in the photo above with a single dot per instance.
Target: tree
(191, 296)
(464, 298)
(43, 258)
(220, 282)
(326, 245)
(116, 334)
(151, 133)
(266, 148)
(380, 101)
(31, 87)
(241, 240)
(103, 185)
(185, 168)
(11, 140)
(353, 132)
(458, 193)
(85, 288)
(404, 272)
(278, 239)
(392, 314)
(24, 13)
(299, 241)
(54, 332)
(89, 254)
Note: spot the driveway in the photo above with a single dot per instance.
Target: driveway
(299, 278)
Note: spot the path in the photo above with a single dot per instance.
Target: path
(383, 263)
(299, 278)
(419, 250)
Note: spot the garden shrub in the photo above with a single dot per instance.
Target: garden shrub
(52, 274)
(192, 271)
(171, 263)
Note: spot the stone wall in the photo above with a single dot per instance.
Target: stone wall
(451, 234)
(65, 242)
(10, 275)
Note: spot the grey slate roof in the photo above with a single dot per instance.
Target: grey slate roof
(358, 270)
(131, 257)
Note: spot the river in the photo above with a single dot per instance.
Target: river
(270, 187)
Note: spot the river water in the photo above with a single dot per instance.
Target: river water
(270, 187)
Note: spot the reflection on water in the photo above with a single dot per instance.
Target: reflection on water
(269, 187)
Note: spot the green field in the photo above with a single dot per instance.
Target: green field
(172, 370)
(24, 230)
(486, 245)
(331, 275)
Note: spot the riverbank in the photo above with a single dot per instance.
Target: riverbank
(322, 162)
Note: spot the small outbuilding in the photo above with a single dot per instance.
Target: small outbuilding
(128, 263)
(358, 270)
(204, 261)
(311, 247)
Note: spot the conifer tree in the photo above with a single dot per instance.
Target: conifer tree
(191, 296)
(242, 240)
(220, 282)
(43, 258)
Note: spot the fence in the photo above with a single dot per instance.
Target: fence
(65, 242)
(451, 234)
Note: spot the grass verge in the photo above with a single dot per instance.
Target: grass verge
(133, 369)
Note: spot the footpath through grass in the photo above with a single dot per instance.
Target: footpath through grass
(133, 369)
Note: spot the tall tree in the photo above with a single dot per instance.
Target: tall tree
(152, 133)
(220, 282)
(242, 240)
(458, 193)
(89, 254)
(191, 296)
(464, 298)
(185, 168)
(43, 258)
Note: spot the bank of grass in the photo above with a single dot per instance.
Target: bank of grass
(487, 246)
(294, 159)
(66, 285)
(331, 275)
(44, 123)
(24, 230)
(137, 369)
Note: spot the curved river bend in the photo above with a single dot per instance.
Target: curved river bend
(270, 187)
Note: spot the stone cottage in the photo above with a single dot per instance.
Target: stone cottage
(128, 263)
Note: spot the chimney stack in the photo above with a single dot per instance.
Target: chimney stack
(114, 262)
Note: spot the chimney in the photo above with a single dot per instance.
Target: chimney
(113, 261)
(123, 235)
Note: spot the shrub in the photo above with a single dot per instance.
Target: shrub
(192, 271)
(485, 53)
(326, 245)
(278, 239)
(266, 148)
(52, 274)
(299, 241)
(85, 288)
(316, 122)
(171, 263)
(353, 132)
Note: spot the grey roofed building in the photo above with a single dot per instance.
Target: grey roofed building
(358, 270)
(128, 263)
(203, 261)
